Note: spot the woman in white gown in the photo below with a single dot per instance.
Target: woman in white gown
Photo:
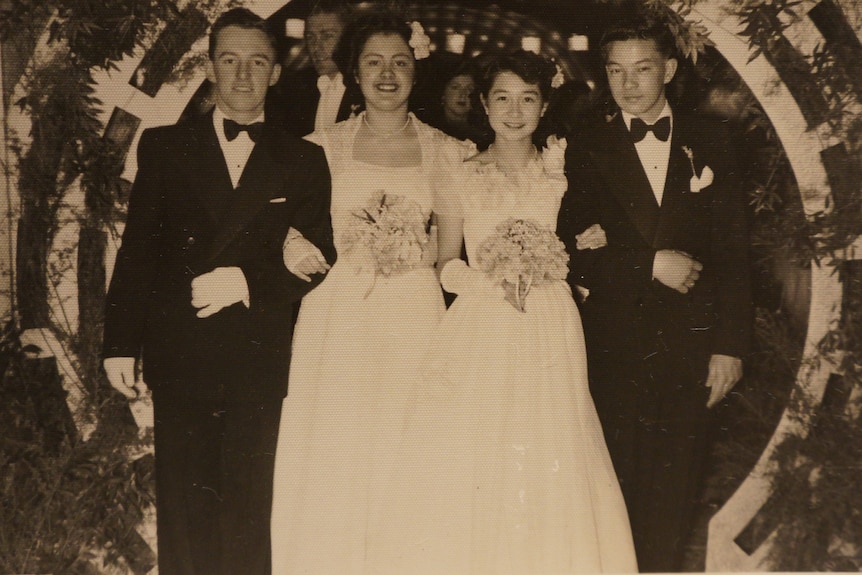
(360, 335)
(503, 468)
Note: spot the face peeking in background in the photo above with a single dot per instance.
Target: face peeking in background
(386, 71)
(637, 75)
(514, 107)
(457, 96)
(322, 33)
(242, 69)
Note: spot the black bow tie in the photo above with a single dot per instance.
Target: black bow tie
(661, 129)
(232, 130)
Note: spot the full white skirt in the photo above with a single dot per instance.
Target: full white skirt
(503, 468)
(357, 345)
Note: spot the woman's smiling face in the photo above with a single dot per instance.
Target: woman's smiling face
(386, 71)
(514, 107)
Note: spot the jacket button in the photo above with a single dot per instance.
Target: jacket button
(190, 240)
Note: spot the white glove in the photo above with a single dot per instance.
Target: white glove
(218, 289)
(459, 278)
(121, 375)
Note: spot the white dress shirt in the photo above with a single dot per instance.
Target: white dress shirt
(235, 152)
(331, 92)
(654, 154)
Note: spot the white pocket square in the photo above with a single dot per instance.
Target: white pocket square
(277, 200)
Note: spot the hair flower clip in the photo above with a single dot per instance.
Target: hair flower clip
(698, 183)
(559, 78)
(419, 41)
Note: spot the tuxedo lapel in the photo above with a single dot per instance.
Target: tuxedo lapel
(618, 160)
(256, 187)
(676, 184)
(210, 174)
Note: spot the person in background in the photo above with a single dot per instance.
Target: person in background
(456, 113)
(200, 294)
(319, 96)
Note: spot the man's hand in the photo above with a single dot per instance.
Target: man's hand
(218, 289)
(121, 375)
(592, 238)
(676, 270)
(724, 372)
(310, 265)
(302, 258)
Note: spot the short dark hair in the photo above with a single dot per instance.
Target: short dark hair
(465, 68)
(528, 66)
(353, 40)
(640, 28)
(242, 18)
(339, 8)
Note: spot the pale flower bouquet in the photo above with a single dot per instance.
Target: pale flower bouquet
(392, 229)
(524, 254)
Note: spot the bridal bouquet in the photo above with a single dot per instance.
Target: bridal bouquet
(392, 229)
(524, 254)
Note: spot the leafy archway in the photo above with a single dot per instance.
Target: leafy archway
(103, 71)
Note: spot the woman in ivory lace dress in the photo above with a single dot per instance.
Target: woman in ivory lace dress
(361, 334)
(503, 468)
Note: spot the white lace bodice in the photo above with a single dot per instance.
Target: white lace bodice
(486, 196)
(355, 181)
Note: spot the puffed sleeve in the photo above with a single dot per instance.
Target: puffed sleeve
(449, 175)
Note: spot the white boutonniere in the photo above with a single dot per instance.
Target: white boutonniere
(698, 183)
(354, 110)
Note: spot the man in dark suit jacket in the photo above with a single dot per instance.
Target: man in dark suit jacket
(201, 293)
(320, 96)
(668, 315)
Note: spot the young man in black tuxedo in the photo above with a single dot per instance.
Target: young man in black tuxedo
(201, 293)
(668, 318)
(319, 96)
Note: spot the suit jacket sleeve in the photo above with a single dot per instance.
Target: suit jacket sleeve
(268, 279)
(618, 266)
(729, 255)
(138, 258)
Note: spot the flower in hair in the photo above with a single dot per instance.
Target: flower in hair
(559, 78)
(419, 41)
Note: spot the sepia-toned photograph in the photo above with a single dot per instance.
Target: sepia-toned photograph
(430, 287)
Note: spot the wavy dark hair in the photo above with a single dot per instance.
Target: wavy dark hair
(247, 20)
(358, 32)
(639, 28)
(529, 67)
(339, 8)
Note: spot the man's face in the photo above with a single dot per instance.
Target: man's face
(637, 74)
(457, 96)
(242, 70)
(322, 32)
